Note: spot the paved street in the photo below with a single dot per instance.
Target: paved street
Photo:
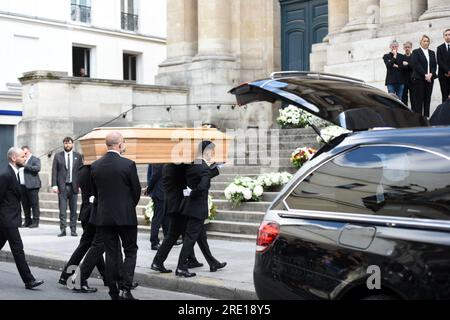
(13, 288)
(235, 281)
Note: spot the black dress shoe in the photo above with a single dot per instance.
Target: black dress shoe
(194, 264)
(178, 242)
(114, 296)
(184, 273)
(33, 284)
(217, 266)
(85, 289)
(62, 281)
(134, 285)
(156, 246)
(33, 225)
(160, 268)
(126, 295)
(62, 234)
(26, 225)
(74, 234)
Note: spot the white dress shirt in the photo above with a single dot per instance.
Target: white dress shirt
(427, 55)
(16, 170)
(22, 171)
(22, 176)
(71, 163)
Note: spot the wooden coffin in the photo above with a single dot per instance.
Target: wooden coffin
(156, 145)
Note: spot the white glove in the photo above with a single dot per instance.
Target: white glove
(91, 199)
(187, 192)
(55, 189)
(220, 166)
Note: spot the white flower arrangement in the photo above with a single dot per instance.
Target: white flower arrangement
(149, 210)
(294, 117)
(331, 132)
(243, 189)
(274, 179)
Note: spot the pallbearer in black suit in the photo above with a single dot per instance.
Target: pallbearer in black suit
(198, 178)
(116, 188)
(424, 72)
(89, 231)
(30, 184)
(174, 181)
(65, 184)
(155, 190)
(443, 58)
(10, 218)
(202, 240)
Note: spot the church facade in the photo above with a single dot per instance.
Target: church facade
(213, 45)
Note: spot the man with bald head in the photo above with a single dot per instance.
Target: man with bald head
(10, 218)
(117, 190)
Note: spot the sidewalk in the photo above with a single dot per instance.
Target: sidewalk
(44, 249)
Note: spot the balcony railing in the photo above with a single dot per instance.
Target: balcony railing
(129, 21)
(81, 13)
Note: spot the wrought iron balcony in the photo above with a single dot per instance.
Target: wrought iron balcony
(129, 21)
(81, 13)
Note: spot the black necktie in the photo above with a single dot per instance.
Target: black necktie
(448, 48)
(18, 177)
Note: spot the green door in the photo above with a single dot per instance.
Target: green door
(303, 23)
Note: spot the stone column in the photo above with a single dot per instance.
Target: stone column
(400, 11)
(337, 15)
(362, 15)
(214, 29)
(181, 30)
(436, 9)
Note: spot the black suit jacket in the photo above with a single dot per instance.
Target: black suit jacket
(117, 190)
(443, 58)
(407, 70)
(9, 199)
(155, 183)
(173, 181)
(198, 178)
(31, 173)
(84, 176)
(59, 171)
(441, 116)
(393, 74)
(419, 64)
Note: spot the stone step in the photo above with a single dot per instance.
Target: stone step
(230, 177)
(261, 206)
(46, 196)
(219, 194)
(240, 216)
(247, 228)
(282, 145)
(283, 162)
(221, 203)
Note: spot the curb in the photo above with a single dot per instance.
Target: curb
(199, 285)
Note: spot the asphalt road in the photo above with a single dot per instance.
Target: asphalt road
(12, 288)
